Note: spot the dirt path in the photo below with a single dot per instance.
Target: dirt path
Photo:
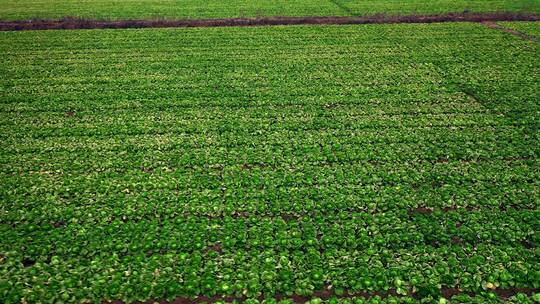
(74, 23)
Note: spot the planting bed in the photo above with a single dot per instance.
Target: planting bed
(394, 163)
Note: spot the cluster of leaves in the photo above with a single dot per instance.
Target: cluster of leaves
(251, 162)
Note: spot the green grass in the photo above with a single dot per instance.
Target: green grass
(301, 153)
(193, 9)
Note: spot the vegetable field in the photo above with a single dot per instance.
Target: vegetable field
(528, 28)
(192, 9)
(363, 163)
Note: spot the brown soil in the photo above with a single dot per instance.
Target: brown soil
(58, 224)
(76, 23)
(421, 210)
(216, 247)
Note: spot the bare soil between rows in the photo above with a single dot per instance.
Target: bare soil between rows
(77, 23)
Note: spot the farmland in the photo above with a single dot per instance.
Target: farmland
(193, 9)
(528, 28)
(397, 162)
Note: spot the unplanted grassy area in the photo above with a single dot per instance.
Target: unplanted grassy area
(164, 163)
(195, 9)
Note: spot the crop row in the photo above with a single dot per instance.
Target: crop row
(391, 105)
(346, 230)
(263, 192)
(482, 298)
(283, 113)
(331, 154)
(165, 205)
(303, 121)
(169, 274)
(165, 142)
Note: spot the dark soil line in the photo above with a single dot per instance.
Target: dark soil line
(75, 23)
(329, 293)
(493, 25)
